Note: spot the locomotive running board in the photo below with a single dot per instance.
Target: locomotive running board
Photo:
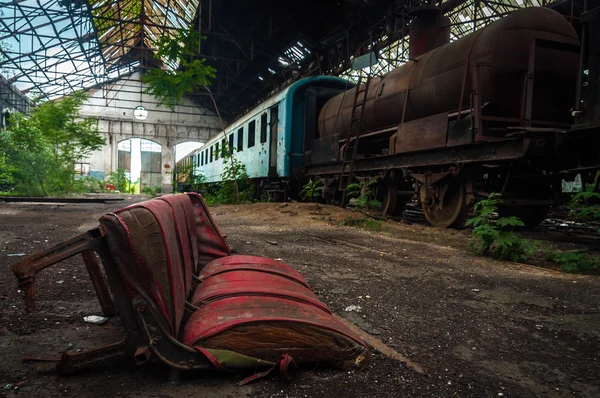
(512, 149)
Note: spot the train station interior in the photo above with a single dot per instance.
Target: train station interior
(373, 198)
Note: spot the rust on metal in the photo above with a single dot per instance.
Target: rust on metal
(26, 269)
(95, 272)
(439, 76)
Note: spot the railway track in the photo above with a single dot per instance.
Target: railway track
(558, 227)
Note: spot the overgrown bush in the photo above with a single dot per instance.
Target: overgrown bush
(170, 86)
(581, 206)
(364, 195)
(38, 154)
(312, 190)
(495, 236)
(575, 262)
(367, 223)
(235, 185)
(120, 180)
(89, 184)
(152, 191)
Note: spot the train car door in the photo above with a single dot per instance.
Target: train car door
(274, 123)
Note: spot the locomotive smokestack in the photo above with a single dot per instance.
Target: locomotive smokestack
(429, 29)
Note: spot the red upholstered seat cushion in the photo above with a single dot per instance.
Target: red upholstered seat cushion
(251, 310)
(250, 263)
(144, 240)
(260, 308)
(211, 243)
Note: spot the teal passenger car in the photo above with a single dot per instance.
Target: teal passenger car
(270, 140)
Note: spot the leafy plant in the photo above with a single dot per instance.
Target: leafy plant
(170, 86)
(364, 195)
(368, 223)
(581, 208)
(39, 153)
(494, 235)
(188, 175)
(575, 262)
(119, 179)
(312, 190)
(152, 191)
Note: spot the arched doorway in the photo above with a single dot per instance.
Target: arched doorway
(141, 160)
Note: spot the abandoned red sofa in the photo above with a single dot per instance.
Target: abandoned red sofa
(185, 301)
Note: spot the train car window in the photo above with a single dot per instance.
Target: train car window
(230, 143)
(240, 143)
(202, 158)
(211, 154)
(251, 133)
(217, 151)
(223, 148)
(263, 128)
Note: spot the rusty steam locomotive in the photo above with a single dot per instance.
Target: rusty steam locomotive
(500, 110)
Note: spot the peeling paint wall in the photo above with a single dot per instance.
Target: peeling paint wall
(113, 105)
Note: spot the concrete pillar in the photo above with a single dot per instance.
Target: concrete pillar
(113, 152)
(168, 166)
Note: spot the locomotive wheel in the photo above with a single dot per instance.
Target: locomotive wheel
(391, 203)
(452, 209)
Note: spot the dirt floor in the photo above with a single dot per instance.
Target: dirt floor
(479, 327)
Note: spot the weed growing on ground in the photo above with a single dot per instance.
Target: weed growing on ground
(581, 206)
(312, 190)
(574, 262)
(493, 235)
(364, 195)
(367, 223)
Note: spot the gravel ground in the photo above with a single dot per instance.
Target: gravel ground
(479, 327)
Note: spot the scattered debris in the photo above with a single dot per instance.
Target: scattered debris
(272, 242)
(95, 319)
(15, 255)
(476, 290)
(8, 386)
(355, 308)
(278, 259)
(281, 206)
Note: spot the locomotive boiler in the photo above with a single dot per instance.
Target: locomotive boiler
(491, 112)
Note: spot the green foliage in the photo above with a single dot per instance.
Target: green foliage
(494, 235)
(186, 174)
(169, 86)
(235, 185)
(368, 223)
(581, 208)
(364, 194)
(39, 153)
(575, 262)
(89, 184)
(119, 180)
(312, 190)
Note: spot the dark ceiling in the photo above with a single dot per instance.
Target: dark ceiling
(53, 47)
(245, 41)
(258, 47)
